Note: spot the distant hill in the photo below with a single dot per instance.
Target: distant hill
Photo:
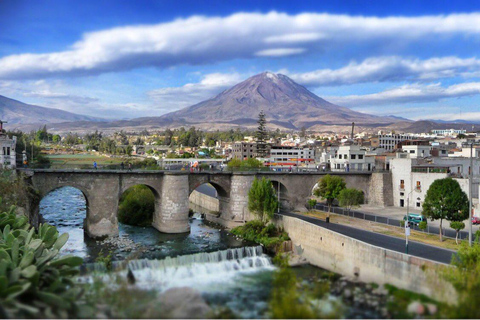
(16, 112)
(285, 103)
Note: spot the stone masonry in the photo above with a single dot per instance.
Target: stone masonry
(103, 188)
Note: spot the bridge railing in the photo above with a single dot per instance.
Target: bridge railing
(449, 233)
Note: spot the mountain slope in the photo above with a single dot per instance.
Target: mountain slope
(16, 112)
(284, 102)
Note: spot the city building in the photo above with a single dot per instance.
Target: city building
(7, 150)
(244, 150)
(351, 158)
(389, 141)
(293, 156)
(448, 132)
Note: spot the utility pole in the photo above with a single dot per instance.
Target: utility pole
(470, 195)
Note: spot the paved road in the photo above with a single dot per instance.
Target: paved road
(380, 240)
(395, 221)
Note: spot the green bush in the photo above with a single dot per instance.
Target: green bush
(268, 235)
(311, 203)
(137, 206)
(422, 225)
(34, 282)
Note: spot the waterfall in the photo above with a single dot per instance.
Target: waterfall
(197, 269)
(193, 270)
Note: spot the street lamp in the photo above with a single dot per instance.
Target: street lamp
(470, 176)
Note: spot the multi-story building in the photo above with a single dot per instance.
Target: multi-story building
(352, 157)
(412, 177)
(292, 155)
(448, 132)
(389, 141)
(7, 150)
(245, 150)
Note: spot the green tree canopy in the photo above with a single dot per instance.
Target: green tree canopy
(445, 200)
(457, 226)
(262, 199)
(350, 197)
(329, 187)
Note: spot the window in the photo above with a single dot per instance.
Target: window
(418, 204)
(402, 194)
(419, 186)
(339, 156)
(353, 156)
(412, 151)
(402, 184)
(360, 156)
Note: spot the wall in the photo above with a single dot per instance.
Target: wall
(380, 189)
(206, 202)
(341, 254)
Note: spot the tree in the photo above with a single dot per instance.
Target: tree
(262, 199)
(350, 197)
(329, 188)
(261, 135)
(445, 200)
(303, 132)
(457, 226)
(56, 138)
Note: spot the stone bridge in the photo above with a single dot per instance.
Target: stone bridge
(103, 188)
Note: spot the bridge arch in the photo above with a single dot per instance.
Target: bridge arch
(283, 195)
(138, 204)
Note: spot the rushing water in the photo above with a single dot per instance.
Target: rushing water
(228, 272)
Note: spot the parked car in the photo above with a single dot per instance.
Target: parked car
(475, 220)
(414, 218)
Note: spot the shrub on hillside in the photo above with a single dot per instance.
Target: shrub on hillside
(137, 206)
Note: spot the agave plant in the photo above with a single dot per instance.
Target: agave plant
(34, 282)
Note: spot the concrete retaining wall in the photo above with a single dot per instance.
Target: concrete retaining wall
(202, 200)
(341, 254)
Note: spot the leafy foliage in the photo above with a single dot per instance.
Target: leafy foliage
(422, 225)
(137, 206)
(268, 235)
(465, 278)
(329, 188)
(34, 282)
(445, 200)
(244, 164)
(311, 203)
(350, 197)
(262, 199)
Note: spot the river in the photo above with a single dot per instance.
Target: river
(229, 272)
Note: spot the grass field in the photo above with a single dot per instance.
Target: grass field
(82, 161)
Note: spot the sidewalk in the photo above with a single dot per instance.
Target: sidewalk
(399, 213)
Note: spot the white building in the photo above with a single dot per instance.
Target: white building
(7, 151)
(390, 140)
(448, 132)
(412, 179)
(292, 155)
(417, 151)
(352, 158)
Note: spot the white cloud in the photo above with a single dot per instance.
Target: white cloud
(295, 38)
(279, 52)
(200, 40)
(411, 93)
(47, 94)
(469, 116)
(381, 69)
(173, 98)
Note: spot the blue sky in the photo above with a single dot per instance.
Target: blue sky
(126, 59)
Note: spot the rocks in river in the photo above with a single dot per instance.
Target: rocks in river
(183, 303)
(416, 308)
